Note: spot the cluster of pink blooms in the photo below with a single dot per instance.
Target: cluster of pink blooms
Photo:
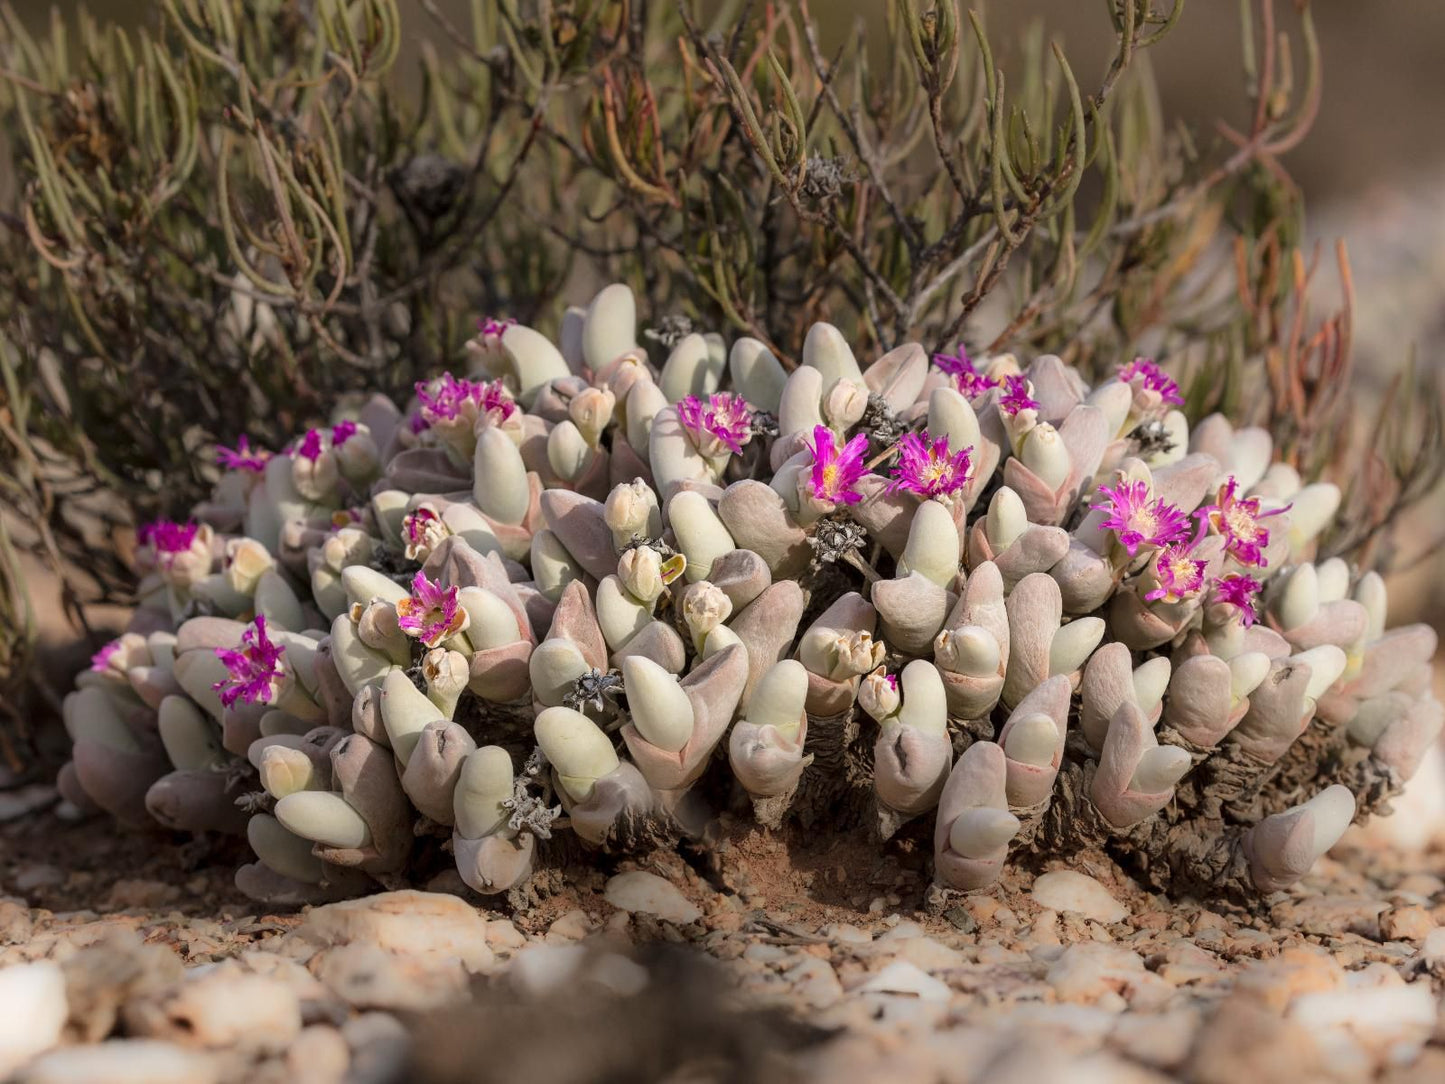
(929, 468)
(836, 471)
(451, 397)
(431, 612)
(971, 383)
(724, 417)
(243, 456)
(253, 671)
(1138, 520)
(1144, 374)
(1016, 395)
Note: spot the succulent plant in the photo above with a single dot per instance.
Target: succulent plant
(572, 590)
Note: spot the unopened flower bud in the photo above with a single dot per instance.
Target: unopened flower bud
(840, 654)
(446, 674)
(968, 650)
(245, 560)
(878, 695)
(644, 573)
(632, 512)
(422, 530)
(377, 628)
(591, 410)
(844, 404)
(704, 608)
(347, 547)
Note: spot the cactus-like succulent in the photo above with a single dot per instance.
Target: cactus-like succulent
(571, 584)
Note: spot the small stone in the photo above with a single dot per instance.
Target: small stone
(846, 933)
(222, 1007)
(123, 1061)
(961, 920)
(1398, 1017)
(902, 977)
(369, 977)
(501, 934)
(1162, 1040)
(16, 925)
(651, 894)
(1240, 1043)
(319, 1056)
(408, 922)
(1432, 949)
(815, 983)
(573, 926)
(1106, 975)
(379, 1047)
(542, 969)
(1411, 923)
(930, 954)
(33, 1010)
(1069, 890)
(14, 804)
(1293, 972)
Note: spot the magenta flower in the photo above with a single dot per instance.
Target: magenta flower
(835, 470)
(1238, 520)
(1138, 519)
(968, 380)
(892, 680)
(341, 432)
(1144, 375)
(1016, 395)
(101, 659)
(930, 469)
(724, 421)
(449, 399)
(416, 423)
(242, 456)
(253, 672)
(491, 328)
(1178, 573)
(167, 538)
(310, 446)
(431, 612)
(1239, 591)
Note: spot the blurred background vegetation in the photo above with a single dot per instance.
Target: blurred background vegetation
(219, 216)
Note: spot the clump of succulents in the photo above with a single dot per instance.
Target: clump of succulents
(571, 594)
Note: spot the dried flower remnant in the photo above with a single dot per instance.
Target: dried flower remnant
(422, 530)
(1238, 520)
(254, 672)
(341, 432)
(721, 424)
(929, 468)
(431, 613)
